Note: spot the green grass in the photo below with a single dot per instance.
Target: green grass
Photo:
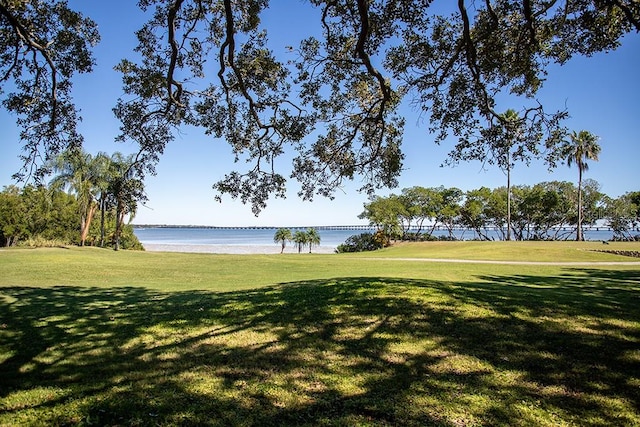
(93, 337)
(509, 251)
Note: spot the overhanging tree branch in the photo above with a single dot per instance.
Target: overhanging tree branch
(171, 82)
(456, 65)
(36, 49)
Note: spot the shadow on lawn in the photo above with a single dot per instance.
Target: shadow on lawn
(501, 350)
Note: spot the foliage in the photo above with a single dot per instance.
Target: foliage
(395, 215)
(13, 226)
(127, 238)
(43, 44)
(100, 181)
(364, 242)
(581, 147)
(41, 216)
(386, 214)
(125, 188)
(40, 242)
(474, 213)
(624, 215)
(545, 211)
(80, 172)
(209, 64)
(313, 238)
(508, 139)
(282, 236)
(37, 213)
(449, 211)
(300, 238)
(420, 205)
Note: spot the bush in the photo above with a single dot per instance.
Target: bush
(128, 240)
(381, 238)
(446, 238)
(421, 237)
(363, 242)
(40, 241)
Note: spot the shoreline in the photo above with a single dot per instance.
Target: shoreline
(232, 249)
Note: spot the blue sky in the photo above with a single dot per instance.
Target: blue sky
(602, 94)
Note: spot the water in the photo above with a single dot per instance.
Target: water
(229, 237)
(264, 236)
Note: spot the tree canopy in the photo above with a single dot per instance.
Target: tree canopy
(332, 101)
(282, 236)
(42, 45)
(42, 216)
(544, 211)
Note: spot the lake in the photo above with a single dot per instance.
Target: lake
(260, 240)
(229, 236)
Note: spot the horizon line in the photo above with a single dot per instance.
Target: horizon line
(250, 226)
(346, 227)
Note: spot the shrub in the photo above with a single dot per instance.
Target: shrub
(444, 238)
(419, 237)
(40, 241)
(128, 240)
(381, 238)
(364, 242)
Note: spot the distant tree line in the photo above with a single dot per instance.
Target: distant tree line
(63, 212)
(545, 211)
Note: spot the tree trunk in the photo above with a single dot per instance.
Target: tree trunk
(508, 197)
(579, 230)
(102, 212)
(87, 223)
(433, 227)
(119, 217)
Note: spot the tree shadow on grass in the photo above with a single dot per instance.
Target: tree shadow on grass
(346, 351)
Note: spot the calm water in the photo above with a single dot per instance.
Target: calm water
(263, 237)
(222, 236)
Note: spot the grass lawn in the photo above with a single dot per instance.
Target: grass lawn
(509, 251)
(96, 337)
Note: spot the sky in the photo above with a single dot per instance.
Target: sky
(602, 94)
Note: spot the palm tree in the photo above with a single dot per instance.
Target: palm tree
(313, 237)
(126, 189)
(512, 128)
(103, 180)
(582, 146)
(79, 171)
(282, 236)
(300, 239)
